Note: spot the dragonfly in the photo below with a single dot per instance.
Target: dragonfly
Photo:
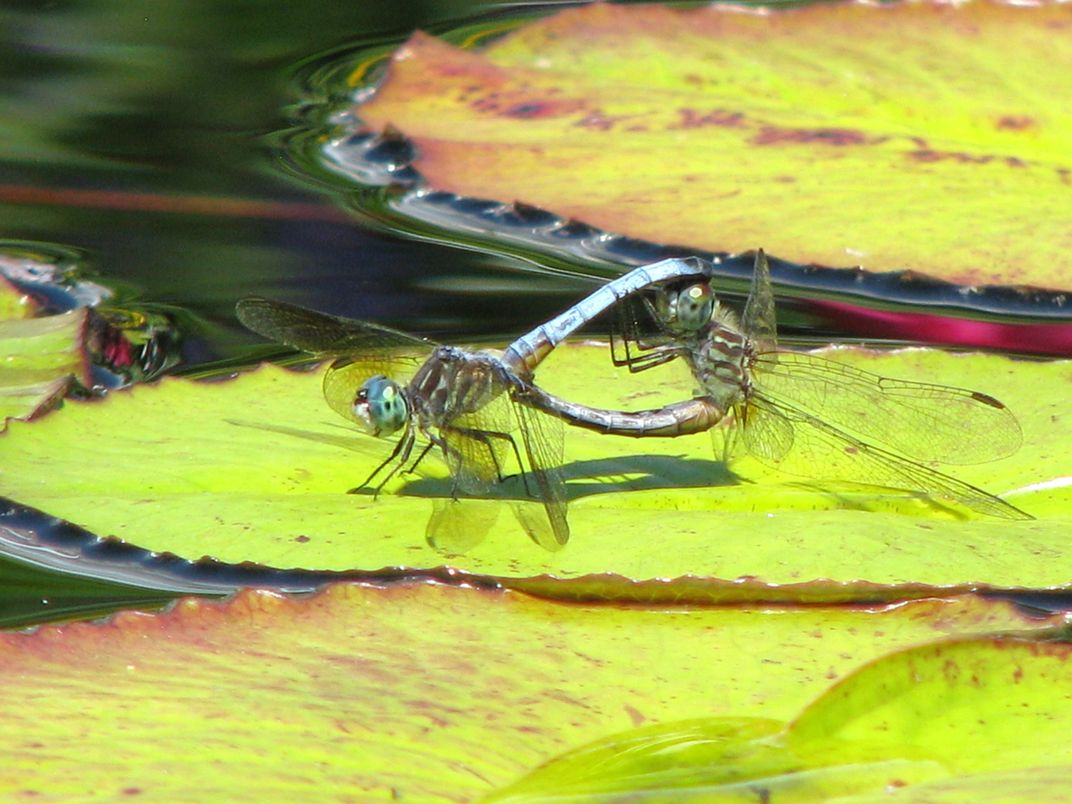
(796, 412)
(462, 402)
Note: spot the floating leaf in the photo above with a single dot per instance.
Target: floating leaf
(257, 469)
(14, 303)
(920, 136)
(936, 720)
(38, 357)
(415, 690)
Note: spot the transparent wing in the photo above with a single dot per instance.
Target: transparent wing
(362, 349)
(542, 437)
(457, 526)
(758, 321)
(799, 443)
(347, 374)
(323, 334)
(482, 444)
(480, 447)
(924, 421)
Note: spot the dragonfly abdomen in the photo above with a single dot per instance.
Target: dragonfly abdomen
(681, 418)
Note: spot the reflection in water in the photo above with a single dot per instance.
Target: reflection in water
(143, 138)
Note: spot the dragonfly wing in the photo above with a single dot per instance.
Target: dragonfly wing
(457, 526)
(924, 421)
(818, 450)
(475, 458)
(759, 322)
(320, 333)
(362, 349)
(766, 433)
(542, 437)
(476, 430)
(347, 374)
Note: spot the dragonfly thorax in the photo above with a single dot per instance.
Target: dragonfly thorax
(381, 406)
(455, 382)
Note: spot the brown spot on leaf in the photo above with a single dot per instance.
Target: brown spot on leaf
(636, 716)
(534, 109)
(692, 118)
(1015, 122)
(301, 538)
(776, 135)
(930, 155)
(599, 121)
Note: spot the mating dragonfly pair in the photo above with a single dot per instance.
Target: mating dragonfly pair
(484, 411)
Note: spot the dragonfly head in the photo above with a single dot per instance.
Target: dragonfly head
(381, 406)
(688, 308)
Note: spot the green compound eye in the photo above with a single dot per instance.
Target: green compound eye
(695, 305)
(381, 406)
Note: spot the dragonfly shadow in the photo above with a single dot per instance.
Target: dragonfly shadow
(348, 438)
(625, 473)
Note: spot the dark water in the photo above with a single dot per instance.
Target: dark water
(148, 136)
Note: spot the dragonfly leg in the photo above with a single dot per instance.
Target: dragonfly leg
(484, 437)
(416, 462)
(650, 356)
(402, 452)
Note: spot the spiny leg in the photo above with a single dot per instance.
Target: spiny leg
(401, 451)
(649, 355)
(416, 461)
(484, 435)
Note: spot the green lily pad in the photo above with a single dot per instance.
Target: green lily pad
(958, 719)
(38, 358)
(918, 136)
(257, 469)
(265, 697)
(14, 304)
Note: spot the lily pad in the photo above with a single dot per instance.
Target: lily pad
(264, 696)
(257, 469)
(14, 304)
(38, 358)
(946, 719)
(910, 136)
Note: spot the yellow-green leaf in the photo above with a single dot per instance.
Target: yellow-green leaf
(14, 303)
(957, 719)
(38, 357)
(418, 691)
(922, 136)
(257, 469)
